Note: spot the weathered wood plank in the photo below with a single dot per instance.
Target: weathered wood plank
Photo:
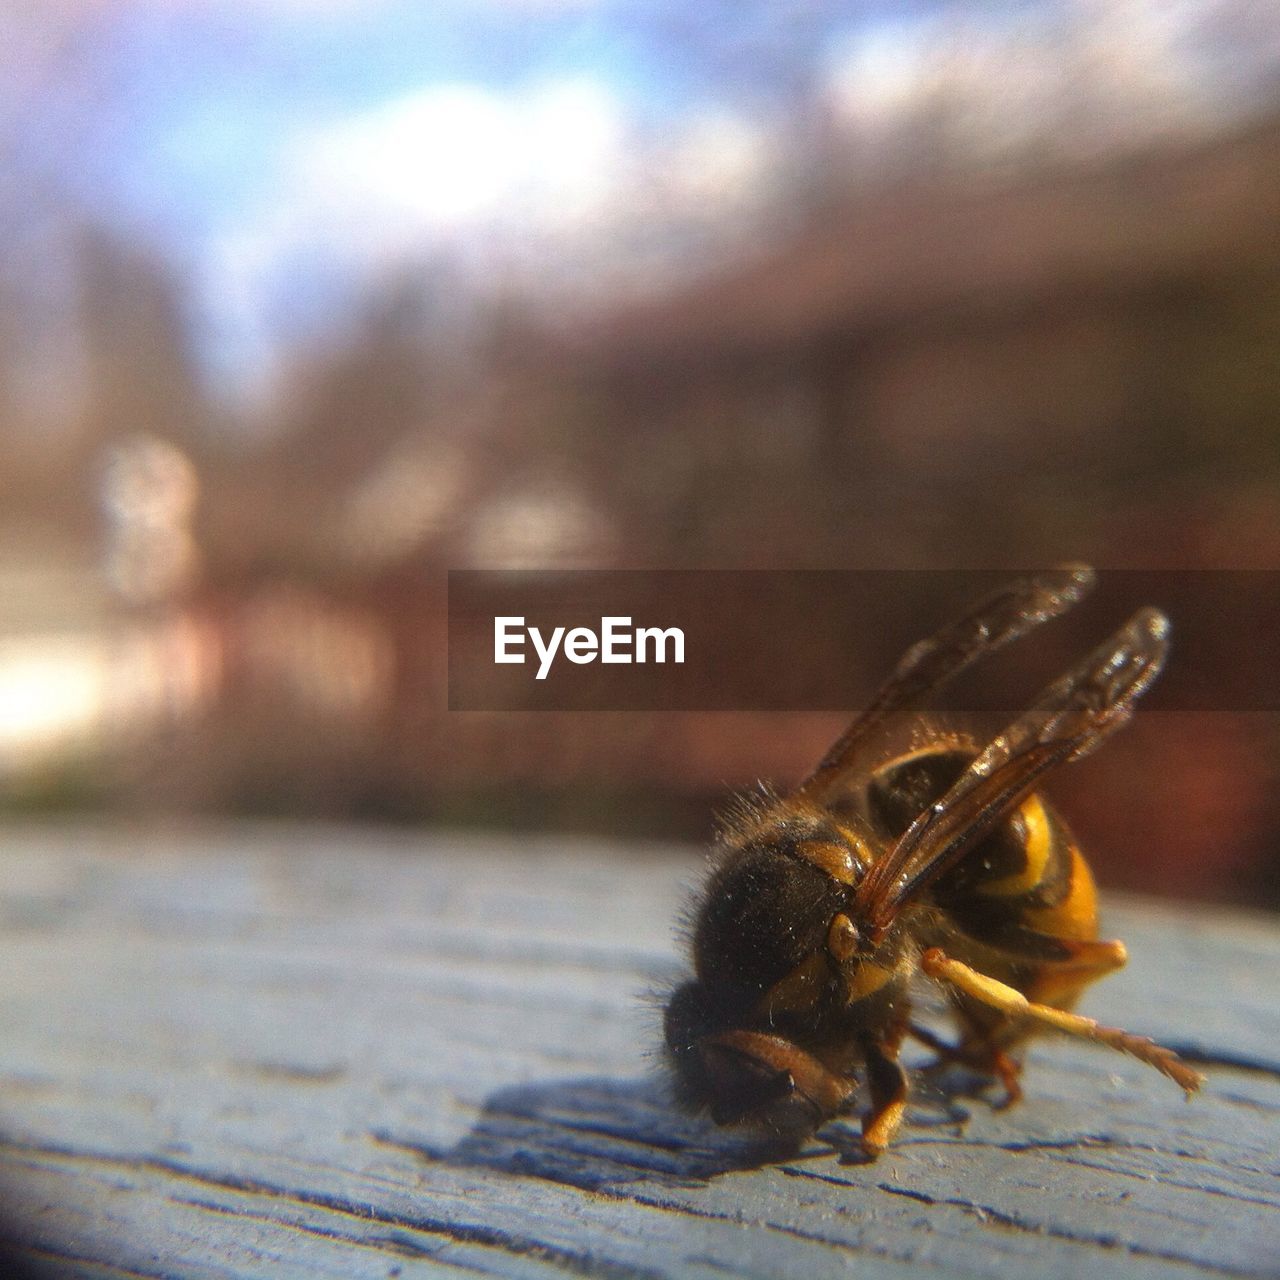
(316, 1052)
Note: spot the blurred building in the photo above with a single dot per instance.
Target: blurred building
(1082, 355)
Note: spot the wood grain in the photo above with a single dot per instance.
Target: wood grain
(284, 1051)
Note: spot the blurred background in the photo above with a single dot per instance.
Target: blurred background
(304, 302)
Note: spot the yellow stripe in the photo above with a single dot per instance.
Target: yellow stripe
(1038, 842)
(867, 978)
(1076, 916)
(833, 859)
(800, 989)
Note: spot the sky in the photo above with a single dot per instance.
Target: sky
(285, 153)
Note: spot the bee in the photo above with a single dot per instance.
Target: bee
(882, 872)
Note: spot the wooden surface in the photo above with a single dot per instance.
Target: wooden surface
(314, 1052)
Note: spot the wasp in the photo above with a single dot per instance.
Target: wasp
(886, 871)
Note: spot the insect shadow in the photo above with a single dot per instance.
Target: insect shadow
(599, 1133)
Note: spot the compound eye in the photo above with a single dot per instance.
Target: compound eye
(842, 938)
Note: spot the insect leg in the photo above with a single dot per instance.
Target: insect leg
(887, 1082)
(978, 1052)
(1008, 1000)
(1055, 982)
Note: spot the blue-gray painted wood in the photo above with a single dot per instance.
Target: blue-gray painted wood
(306, 1052)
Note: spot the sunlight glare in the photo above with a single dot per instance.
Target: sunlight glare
(52, 689)
(454, 154)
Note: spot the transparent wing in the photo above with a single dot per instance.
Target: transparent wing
(991, 623)
(1073, 717)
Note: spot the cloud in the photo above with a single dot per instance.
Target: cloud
(528, 184)
(451, 165)
(457, 158)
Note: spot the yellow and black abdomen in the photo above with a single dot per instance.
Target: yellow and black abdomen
(1018, 901)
